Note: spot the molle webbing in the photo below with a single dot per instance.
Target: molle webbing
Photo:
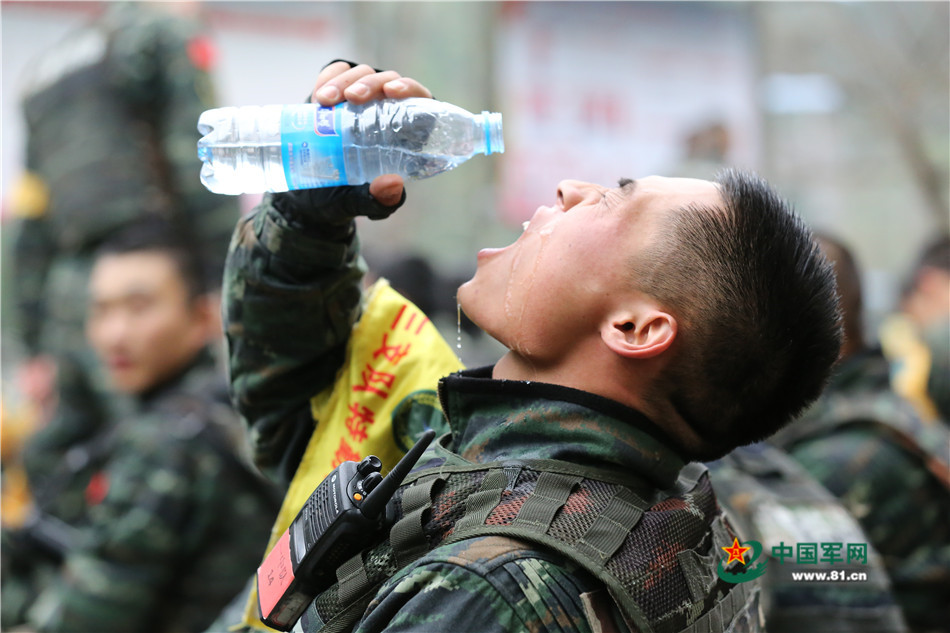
(653, 554)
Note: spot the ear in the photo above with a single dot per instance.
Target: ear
(642, 335)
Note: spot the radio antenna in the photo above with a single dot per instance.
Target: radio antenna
(377, 499)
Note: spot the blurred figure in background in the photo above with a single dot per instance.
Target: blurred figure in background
(705, 151)
(917, 339)
(869, 447)
(175, 517)
(111, 116)
(771, 499)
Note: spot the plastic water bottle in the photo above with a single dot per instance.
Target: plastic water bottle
(277, 148)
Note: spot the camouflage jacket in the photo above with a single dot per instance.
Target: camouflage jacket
(292, 293)
(509, 520)
(175, 523)
(111, 114)
(889, 469)
(771, 499)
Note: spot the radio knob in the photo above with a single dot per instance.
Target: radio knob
(369, 464)
(372, 480)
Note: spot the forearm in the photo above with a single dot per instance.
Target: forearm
(292, 285)
(292, 292)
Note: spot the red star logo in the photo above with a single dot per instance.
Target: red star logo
(736, 551)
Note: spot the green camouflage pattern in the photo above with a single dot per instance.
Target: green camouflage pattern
(889, 469)
(23, 571)
(488, 584)
(60, 458)
(583, 428)
(675, 518)
(290, 300)
(292, 294)
(111, 113)
(770, 498)
(175, 524)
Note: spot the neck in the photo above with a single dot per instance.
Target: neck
(498, 420)
(591, 369)
(202, 356)
(600, 372)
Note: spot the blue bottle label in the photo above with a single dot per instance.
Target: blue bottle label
(311, 146)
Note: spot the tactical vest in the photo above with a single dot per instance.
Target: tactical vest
(102, 157)
(622, 535)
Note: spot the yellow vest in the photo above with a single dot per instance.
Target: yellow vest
(910, 364)
(395, 355)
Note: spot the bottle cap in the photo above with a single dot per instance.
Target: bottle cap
(494, 141)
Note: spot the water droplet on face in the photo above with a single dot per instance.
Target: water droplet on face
(528, 283)
(458, 326)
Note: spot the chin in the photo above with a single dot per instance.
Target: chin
(468, 301)
(465, 296)
(127, 384)
(486, 320)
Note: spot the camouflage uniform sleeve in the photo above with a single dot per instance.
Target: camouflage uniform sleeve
(471, 586)
(292, 292)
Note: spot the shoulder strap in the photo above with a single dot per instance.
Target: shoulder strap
(592, 550)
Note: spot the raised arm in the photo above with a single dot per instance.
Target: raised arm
(292, 286)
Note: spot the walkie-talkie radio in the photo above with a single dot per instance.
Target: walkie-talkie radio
(336, 522)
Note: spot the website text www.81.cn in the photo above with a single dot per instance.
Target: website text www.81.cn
(822, 576)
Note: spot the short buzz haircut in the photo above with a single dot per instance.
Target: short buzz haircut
(757, 308)
(154, 234)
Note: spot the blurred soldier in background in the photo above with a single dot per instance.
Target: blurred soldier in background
(771, 499)
(111, 116)
(916, 340)
(869, 447)
(176, 518)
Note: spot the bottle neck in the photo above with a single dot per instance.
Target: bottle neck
(490, 123)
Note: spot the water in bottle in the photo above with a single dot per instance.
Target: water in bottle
(277, 148)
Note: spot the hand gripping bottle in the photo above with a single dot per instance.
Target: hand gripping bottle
(277, 148)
